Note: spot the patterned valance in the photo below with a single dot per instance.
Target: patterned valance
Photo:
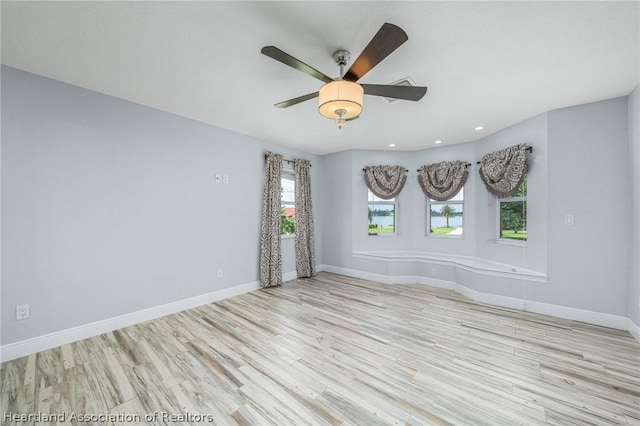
(503, 171)
(442, 181)
(385, 182)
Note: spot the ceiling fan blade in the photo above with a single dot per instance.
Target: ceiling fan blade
(388, 38)
(409, 93)
(280, 56)
(294, 101)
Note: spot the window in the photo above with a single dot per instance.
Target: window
(382, 215)
(512, 215)
(445, 217)
(288, 205)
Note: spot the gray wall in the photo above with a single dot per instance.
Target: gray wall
(533, 132)
(480, 207)
(109, 207)
(634, 234)
(335, 212)
(589, 178)
(579, 166)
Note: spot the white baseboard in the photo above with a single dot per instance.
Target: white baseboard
(504, 301)
(289, 276)
(590, 317)
(357, 274)
(634, 329)
(63, 337)
(52, 340)
(596, 318)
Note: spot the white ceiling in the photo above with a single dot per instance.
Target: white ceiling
(485, 63)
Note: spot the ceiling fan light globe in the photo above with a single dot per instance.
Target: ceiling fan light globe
(340, 95)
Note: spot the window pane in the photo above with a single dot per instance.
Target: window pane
(288, 207)
(522, 189)
(513, 220)
(382, 219)
(288, 190)
(446, 219)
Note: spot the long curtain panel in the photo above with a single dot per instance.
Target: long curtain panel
(442, 181)
(503, 171)
(304, 240)
(385, 181)
(270, 253)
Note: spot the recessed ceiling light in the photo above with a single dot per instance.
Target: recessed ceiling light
(392, 145)
(438, 141)
(479, 128)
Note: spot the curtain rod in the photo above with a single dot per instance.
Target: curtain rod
(465, 166)
(406, 170)
(285, 160)
(529, 149)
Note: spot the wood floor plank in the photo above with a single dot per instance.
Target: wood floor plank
(335, 350)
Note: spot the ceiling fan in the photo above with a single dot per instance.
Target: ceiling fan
(341, 98)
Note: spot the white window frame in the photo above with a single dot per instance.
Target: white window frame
(431, 202)
(499, 202)
(396, 205)
(287, 175)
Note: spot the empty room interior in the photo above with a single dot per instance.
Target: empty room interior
(309, 213)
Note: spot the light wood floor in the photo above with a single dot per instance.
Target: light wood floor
(338, 350)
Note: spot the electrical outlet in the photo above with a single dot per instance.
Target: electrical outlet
(23, 312)
(434, 272)
(219, 273)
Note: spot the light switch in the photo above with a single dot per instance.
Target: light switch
(218, 178)
(568, 219)
(225, 178)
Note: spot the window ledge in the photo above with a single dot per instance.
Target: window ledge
(383, 234)
(445, 236)
(509, 243)
(287, 236)
(469, 263)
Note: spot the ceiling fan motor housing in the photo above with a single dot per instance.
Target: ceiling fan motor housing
(341, 57)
